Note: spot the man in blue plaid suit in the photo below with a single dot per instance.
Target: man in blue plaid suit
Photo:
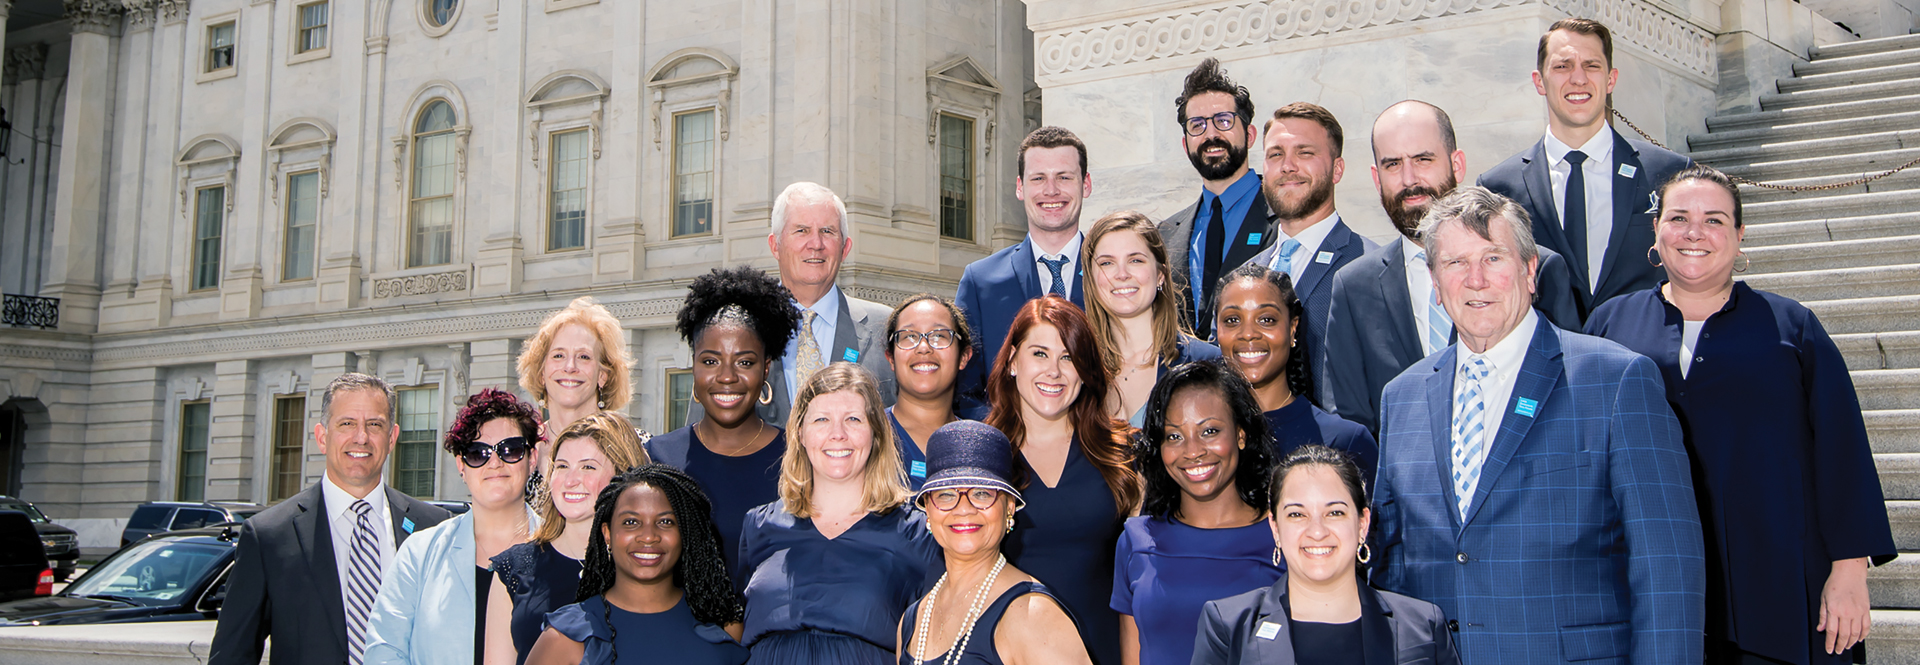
(1532, 481)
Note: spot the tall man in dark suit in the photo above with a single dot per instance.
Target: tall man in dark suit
(1385, 311)
(810, 238)
(1229, 223)
(1532, 481)
(306, 571)
(1603, 223)
(1303, 164)
(1052, 183)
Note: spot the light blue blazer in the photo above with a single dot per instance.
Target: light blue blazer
(424, 615)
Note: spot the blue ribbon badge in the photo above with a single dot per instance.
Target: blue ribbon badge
(852, 355)
(1526, 407)
(1254, 238)
(918, 469)
(406, 524)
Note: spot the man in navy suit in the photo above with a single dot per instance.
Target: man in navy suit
(1532, 481)
(1385, 314)
(1053, 181)
(1229, 223)
(1310, 243)
(1604, 224)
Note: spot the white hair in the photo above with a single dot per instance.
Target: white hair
(804, 192)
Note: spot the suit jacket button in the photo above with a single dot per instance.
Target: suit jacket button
(1461, 557)
(1453, 625)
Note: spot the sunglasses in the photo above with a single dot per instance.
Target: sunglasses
(511, 450)
(981, 499)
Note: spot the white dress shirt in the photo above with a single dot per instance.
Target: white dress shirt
(342, 521)
(1069, 273)
(826, 322)
(1503, 371)
(1310, 240)
(1419, 292)
(1598, 171)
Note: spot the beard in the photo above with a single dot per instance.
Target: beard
(1222, 169)
(1318, 193)
(1407, 218)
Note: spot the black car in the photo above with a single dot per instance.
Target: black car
(61, 543)
(179, 576)
(163, 516)
(24, 571)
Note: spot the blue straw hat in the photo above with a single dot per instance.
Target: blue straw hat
(969, 453)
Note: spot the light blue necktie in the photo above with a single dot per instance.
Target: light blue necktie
(1439, 325)
(1283, 262)
(1059, 287)
(1468, 428)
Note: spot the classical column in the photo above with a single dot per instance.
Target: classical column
(231, 442)
(79, 203)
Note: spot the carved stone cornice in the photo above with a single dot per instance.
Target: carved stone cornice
(94, 16)
(140, 14)
(26, 63)
(171, 11)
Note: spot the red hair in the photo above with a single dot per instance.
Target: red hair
(1103, 440)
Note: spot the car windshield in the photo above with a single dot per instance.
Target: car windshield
(152, 572)
(28, 508)
(244, 515)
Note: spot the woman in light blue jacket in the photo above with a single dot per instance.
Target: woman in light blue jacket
(428, 612)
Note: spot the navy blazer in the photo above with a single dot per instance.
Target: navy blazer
(1372, 335)
(1394, 629)
(1581, 542)
(1315, 289)
(992, 290)
(1524, 178)
(1256, 234)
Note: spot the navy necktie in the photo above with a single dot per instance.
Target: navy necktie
(1210, 270)
(1059, 286)
(1574, 217)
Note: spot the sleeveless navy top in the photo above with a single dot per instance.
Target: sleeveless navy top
(980, 647)
(539, 579)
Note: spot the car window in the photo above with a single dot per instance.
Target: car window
(151, 572)
(33, 513)
(150, 517)
(194, 518)
(243, 515)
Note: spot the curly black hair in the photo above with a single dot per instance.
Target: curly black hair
(484, 407)
(1252, 478)
(744, 296)
(701, 572)
(1299, 372)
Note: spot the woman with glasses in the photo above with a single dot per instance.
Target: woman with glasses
(429, 609)
(538, 576)
(930, 343)
(982, 610)
(1133, 306)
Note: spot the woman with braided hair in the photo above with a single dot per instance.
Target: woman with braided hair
(654, 584)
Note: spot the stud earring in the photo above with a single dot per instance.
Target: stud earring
(1009, 524)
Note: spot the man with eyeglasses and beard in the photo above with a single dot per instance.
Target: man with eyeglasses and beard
(1230, 223)
(1384, 314)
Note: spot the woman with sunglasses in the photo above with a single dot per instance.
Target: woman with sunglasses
(970, 502)
(429, 609)
(538, 576)
(1133, 308)
(929, 344)
(736, 320)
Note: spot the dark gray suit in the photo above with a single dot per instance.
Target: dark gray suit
(1315, 290)
(285, 583)
(1177, 232)
(1255, 628)
(859, 335)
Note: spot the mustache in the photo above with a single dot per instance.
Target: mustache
(1416, 190)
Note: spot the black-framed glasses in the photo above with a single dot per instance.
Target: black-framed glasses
(1222, 121)
(511, 450)
(981, 498)
(908, 340)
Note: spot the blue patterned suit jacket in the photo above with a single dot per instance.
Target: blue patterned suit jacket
(1582, 542)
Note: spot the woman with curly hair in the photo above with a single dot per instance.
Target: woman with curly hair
(577, 364)
(1132, 304)
(1048, 390)
(736, 320)
(654, 586)
(538, 576)
(1257, 322)
(1202, 533)
(428, 604)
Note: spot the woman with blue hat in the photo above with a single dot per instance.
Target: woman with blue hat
(982, 610)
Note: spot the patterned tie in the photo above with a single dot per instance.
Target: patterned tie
(1574, 217)
(1283, 262)
(363, 581)
(1439, 325)
(808, 360)
(1468, 427)
(1059, 286)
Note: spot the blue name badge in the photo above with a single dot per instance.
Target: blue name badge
(918, 469)
(406, 524)
(1254, 238)
(852, 355)
(1526, 407)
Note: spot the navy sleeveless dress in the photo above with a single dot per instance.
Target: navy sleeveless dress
(980, 647)
(814, 599)
(539, 579)
(673, 636)
(1065, 538)
(735, 485)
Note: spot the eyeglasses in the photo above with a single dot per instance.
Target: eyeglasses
(511, 450)
(981, 498)
(907, 340)
(1222, 121)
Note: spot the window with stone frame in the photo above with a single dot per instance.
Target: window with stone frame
(417, 451)
(430, 205)
(693, 173)
(303, 215)
(312, 33)
(956, 177)
(209, 215)
(191, 479)
(440, 12)
(567, 190)
(679, 397)
(220, 47)
(289, 446)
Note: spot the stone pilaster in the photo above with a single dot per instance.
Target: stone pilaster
(326, 368)
(491, 366)
(79, 202)
(231, 445)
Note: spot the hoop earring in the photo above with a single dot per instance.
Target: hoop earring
(766, 393)
(1653, 258)
(1276, 558)
(1366, 553)
(1741, 262)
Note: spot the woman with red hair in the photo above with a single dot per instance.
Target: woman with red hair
(1048, 391)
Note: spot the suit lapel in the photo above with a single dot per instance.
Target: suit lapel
(398, 507)
(1336, 246)
(316, 542)
(1440, 426)
(1025, 271)
(1539, 371)
(1256, 233)
(846, 334)
(1279, 649)
(1377, 643)
(1399, 300)
(1178, 239)
(1626, 195)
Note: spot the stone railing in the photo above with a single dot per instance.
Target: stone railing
(30, 311)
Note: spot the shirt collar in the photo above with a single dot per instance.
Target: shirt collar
(1235, 194)
(1509, 351)
(340, 503)
(1311, 237)
(827, 307)
(1410, 250)
(1071, 251)
(1599, 149)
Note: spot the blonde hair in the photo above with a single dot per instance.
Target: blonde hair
(616, 361)
(885, 484)
(1168, 325)
(618, 443)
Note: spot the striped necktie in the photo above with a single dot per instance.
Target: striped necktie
(1439, 325)
(1469, 428)
(363, 581)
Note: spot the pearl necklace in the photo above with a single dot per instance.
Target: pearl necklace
(966, 627)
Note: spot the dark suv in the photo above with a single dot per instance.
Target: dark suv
(61, 543)
(163, 516)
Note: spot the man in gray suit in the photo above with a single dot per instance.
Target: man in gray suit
(810, 238)
(1229, 223)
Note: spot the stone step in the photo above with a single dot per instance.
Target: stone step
(1875, 351)
(1836, 228)
(1834, 255)
(1867, 315)
(1853, 62)
(1901, 180)
(1893, 431)
(1831, 166)
(1751, 154)
(1836, 94)
(1905, 519)
(1894, 584)
(1864, 47)
(1884, 389)
(1860, 108)
(1846, 205)
(1899, 481)
(1852, 77)
(1895, 637)
(1807, 131)
(1808, 285)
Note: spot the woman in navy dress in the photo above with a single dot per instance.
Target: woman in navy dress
(1257, 319)
(832, 563)
(1132, 307)
(1202, 533)
(970, 503)
(1789, 498)
(538, 576)
(928, 342)
(1048, 390)
(737, 320)
(655, 587)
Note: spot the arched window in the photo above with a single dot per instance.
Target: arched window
(440, 12)
(430, 207)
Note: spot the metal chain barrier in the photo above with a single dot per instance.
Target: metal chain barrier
(1790, 188)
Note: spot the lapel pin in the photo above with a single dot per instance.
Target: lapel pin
(1323, 257)
(1627, 170)
(1254, 238)
(1526, 407)
(406, 524)
(919, 469)
(852, 355)
(1268, 630)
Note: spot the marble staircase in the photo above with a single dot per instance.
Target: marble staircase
(1852, 255)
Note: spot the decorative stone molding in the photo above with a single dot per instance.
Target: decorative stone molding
(684, 68)
(23, 385)
(171, 11)
(562, 101)
(414, 285)
(1220, 26)
(204, 153)
(301, 136)
(26, 63)
(93, 16)
(55, 354)
(140, 14)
